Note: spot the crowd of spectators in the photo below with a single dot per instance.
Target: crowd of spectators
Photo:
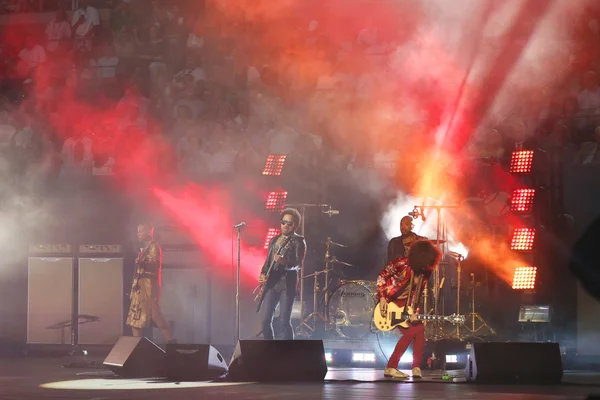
(170, 69)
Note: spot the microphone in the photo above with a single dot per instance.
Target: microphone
(332, 212)
(241, 224)
(414, 214)
(456, 255)
(417, 212)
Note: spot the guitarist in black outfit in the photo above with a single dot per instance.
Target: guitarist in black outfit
(280, 274)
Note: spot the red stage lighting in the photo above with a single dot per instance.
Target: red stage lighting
(276, 200)
(524, 278)
(274, 164)
(522, 239)
(270, 235)
(520, 162)
(522, 200)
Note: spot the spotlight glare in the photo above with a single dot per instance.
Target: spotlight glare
(363, 357)
(451, 358)
(406, 358)
(131, 384)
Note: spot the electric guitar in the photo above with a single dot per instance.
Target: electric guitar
(262, 286)
(396, 316)
(141, 258)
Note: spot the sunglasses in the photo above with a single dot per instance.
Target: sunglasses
(288, 223)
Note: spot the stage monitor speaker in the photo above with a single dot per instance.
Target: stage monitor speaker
(278, 360)
(194, 362)
(588, 323)
(522, 363)
(100, 300)
(136, 357)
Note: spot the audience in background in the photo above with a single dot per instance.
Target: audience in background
(222, 102)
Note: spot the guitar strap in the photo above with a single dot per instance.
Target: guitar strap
(410, 288)
(418, 293)
(399, 293)
(409, 295)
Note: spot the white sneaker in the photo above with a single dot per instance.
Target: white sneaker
(416, 372)
(394, 373)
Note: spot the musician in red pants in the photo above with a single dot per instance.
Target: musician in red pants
(402, 281)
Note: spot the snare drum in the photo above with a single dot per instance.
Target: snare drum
(351, 307)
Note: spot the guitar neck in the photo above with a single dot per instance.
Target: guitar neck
(431, 317)
(279, 252)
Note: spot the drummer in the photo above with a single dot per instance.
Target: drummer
(398, 246)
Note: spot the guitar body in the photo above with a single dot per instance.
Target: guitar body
(393, 318)
(267, 283)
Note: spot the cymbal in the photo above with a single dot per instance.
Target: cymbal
(329, 241)
(335, 260)
(315, 273)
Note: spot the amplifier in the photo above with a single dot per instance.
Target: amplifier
(100, 299)
(50, 249)
(49, 300)
(100, 249)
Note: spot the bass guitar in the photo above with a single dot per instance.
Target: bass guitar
(396, 316)
(262, 286)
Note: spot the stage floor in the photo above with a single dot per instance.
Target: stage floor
(38, 378)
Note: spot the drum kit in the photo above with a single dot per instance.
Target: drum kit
(345, 308)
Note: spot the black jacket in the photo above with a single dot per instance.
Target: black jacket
(293, 254)
(396, 248)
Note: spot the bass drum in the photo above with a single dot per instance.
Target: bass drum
(351, 308)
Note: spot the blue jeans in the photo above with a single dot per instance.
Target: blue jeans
(286, 301)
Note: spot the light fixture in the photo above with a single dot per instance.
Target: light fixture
(522, 200)
(522, 239)
(521, 162)
(274, 164)
(276, 200)
(270, 235)
(524, 278)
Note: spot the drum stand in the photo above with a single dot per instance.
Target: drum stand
(315, 314)
(329, 261)
(302, 208)
(436, 331)
(459, 259)
(475, 315)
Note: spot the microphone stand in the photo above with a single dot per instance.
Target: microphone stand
(441, 236)
(237, 283)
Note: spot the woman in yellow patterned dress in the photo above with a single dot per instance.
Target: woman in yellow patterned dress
(144, 308)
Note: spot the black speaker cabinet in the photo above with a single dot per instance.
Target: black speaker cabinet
(278, 360)
(194, 362)
(136, 357)
(523, 363)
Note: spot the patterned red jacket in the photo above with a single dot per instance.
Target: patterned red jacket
(393, 282)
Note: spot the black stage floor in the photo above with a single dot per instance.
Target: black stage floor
(41, 378)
